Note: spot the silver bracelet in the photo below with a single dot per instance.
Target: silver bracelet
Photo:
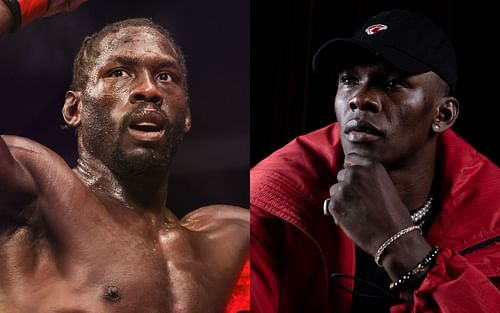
(393, 238)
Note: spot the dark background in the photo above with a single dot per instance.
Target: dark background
(289, 99)
(212, 164)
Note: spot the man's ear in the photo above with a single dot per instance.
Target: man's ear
(187, 121)
(445, 115)
(71, 110)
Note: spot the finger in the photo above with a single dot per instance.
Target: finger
(342, 175)
(335, 194)
(354, 159)
(336, 212)
(333, 190)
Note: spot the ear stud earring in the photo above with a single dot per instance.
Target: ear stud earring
(435, 127)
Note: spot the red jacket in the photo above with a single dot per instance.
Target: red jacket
(295, 248)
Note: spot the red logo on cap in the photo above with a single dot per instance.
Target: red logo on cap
(373, 29)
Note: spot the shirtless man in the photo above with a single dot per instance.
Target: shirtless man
(98, 238)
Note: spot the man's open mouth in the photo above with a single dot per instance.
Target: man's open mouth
(147, 125)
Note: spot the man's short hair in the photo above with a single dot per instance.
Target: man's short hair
(90, 50)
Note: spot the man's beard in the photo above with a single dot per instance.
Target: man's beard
(105, 142)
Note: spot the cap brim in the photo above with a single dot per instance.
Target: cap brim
(337, 53)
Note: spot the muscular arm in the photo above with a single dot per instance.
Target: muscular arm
(17, 186)
(5, 19)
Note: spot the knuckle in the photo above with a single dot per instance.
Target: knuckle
(332, 190)
(341, 175)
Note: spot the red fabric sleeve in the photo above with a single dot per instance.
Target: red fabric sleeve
(453, 285)
(240, 299)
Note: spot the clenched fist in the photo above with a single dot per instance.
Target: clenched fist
(365, 203)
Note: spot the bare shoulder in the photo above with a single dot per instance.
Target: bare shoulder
(43, 164)
(22, 159)
(215, 216)
(223, 232)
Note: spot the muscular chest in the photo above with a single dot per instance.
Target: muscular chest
(114, 273)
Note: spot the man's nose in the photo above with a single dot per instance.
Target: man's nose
(145, 89)
(366, 99)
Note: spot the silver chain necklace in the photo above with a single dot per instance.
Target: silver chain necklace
(421, 213)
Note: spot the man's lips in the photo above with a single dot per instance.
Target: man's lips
(147, 125)
(362, 126)
(361, 131)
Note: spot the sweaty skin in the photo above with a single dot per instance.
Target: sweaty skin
(98, 238)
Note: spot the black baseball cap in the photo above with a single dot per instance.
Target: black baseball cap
(409, 41)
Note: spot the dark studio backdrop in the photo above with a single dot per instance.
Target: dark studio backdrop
(289, 99)
(211, 165)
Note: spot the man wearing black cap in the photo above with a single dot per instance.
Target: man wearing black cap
(387, 209)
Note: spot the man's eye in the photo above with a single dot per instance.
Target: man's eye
(118, 73)
(348, 80)
(393, 83)
(166, 77)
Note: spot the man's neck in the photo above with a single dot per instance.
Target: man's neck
(142, 195)
(414, 179)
